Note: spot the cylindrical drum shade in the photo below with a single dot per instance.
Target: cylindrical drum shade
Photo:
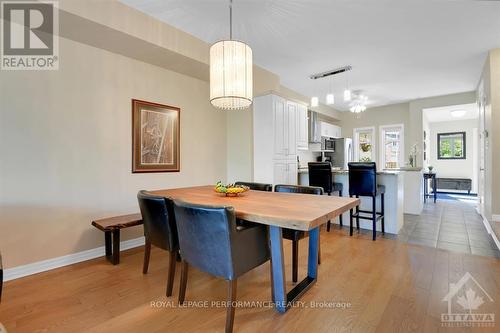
(231, 84)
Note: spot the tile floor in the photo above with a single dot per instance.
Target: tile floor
(449, 224)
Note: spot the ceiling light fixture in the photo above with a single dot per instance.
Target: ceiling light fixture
(231, 82)
(330, 99)
(457, 113)
(314, 101)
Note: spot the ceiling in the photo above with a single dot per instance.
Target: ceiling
(400, 50)
(435, 115)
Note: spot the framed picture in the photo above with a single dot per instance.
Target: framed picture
(155, 137)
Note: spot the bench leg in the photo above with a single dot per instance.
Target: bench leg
(116, 247)
(107, 244)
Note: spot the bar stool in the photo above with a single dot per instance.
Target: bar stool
(320, 174)
(363, 182)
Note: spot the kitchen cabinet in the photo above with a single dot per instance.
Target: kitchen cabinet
(275, 137)
(330, 130)
(302, 127)
(285, 173)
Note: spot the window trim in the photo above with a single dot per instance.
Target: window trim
(356, 132)
(464, 136)
(382, 130)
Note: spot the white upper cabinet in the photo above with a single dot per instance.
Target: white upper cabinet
(330, 130)
(291, 126)
(280, 127)
(302, 127)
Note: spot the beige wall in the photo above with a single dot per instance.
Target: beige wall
(491, 91)
(376, 117)
(66, 145)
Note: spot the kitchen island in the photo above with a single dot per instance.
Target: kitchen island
(394, 197)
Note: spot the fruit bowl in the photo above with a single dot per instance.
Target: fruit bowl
(230, 190)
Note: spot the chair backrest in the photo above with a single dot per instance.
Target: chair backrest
(257, 186)
(320, 174)
(299, 189)
(159, 220)
(362, 178)
(205, 234)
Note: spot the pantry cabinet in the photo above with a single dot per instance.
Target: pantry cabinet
(275, 139)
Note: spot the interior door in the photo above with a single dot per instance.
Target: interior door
(482, 143)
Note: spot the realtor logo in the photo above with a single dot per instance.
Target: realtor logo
(464, 300)
(29, 35)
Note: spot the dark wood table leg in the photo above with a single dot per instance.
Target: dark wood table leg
(281, 298)
(116, 247)
(107, 244)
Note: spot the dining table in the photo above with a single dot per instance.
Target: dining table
(303, 212)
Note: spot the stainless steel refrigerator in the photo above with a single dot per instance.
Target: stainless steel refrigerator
(343, 153)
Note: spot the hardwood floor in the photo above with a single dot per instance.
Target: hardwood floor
(390, 286)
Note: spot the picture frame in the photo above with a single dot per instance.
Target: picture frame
(155, 137)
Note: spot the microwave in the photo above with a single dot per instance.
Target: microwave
(327, 143)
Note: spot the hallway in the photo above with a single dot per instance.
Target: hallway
(451, 223)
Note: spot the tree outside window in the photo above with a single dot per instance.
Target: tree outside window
(451, 146)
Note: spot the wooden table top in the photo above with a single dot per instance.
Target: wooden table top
(288, 210)
(118, 222)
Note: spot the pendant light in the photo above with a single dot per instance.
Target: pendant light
(330, 97)
(314, 101)
(231, 83)
(347, 92)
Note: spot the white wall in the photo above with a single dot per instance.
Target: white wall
(455, 168)
(65, 138)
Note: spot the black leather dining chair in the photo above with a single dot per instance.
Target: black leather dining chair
(160, 230)
(363, 182)
(320, 174)
(210, 241)
(296, 235)
(257, 186)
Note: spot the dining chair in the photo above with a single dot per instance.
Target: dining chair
(320, 174)
(363, 182)
(210, 241)
(296, 235)
(160, 230)
(257, 186)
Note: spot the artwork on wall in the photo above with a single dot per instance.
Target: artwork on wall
(155, 137)
(425, 146)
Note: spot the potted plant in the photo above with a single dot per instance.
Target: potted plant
(430, 167)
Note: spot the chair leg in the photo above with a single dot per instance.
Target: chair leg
(147, 254)
(374, 216)
(382, 211)
(319, 252)
(231, 298)
(357, 215)
(328, 226)
(1, 281)
(183, 284)
(295, 260)
(350, 224)
(171, 273)
(340, 216)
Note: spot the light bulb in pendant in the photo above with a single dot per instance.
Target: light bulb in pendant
(347, 95)
(314, 101)
(330, 99)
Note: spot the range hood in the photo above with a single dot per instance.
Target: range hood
(314, 128)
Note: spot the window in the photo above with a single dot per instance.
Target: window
(392, 143)
(364, 144)
(451, 146)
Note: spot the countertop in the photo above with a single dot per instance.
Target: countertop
(343, 171)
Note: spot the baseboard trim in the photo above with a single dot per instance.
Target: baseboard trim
(491, 231)
(49, 264)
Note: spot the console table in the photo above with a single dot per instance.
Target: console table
(432, 177)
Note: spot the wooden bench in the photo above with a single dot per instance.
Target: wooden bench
(457, 184)
(111, 227)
